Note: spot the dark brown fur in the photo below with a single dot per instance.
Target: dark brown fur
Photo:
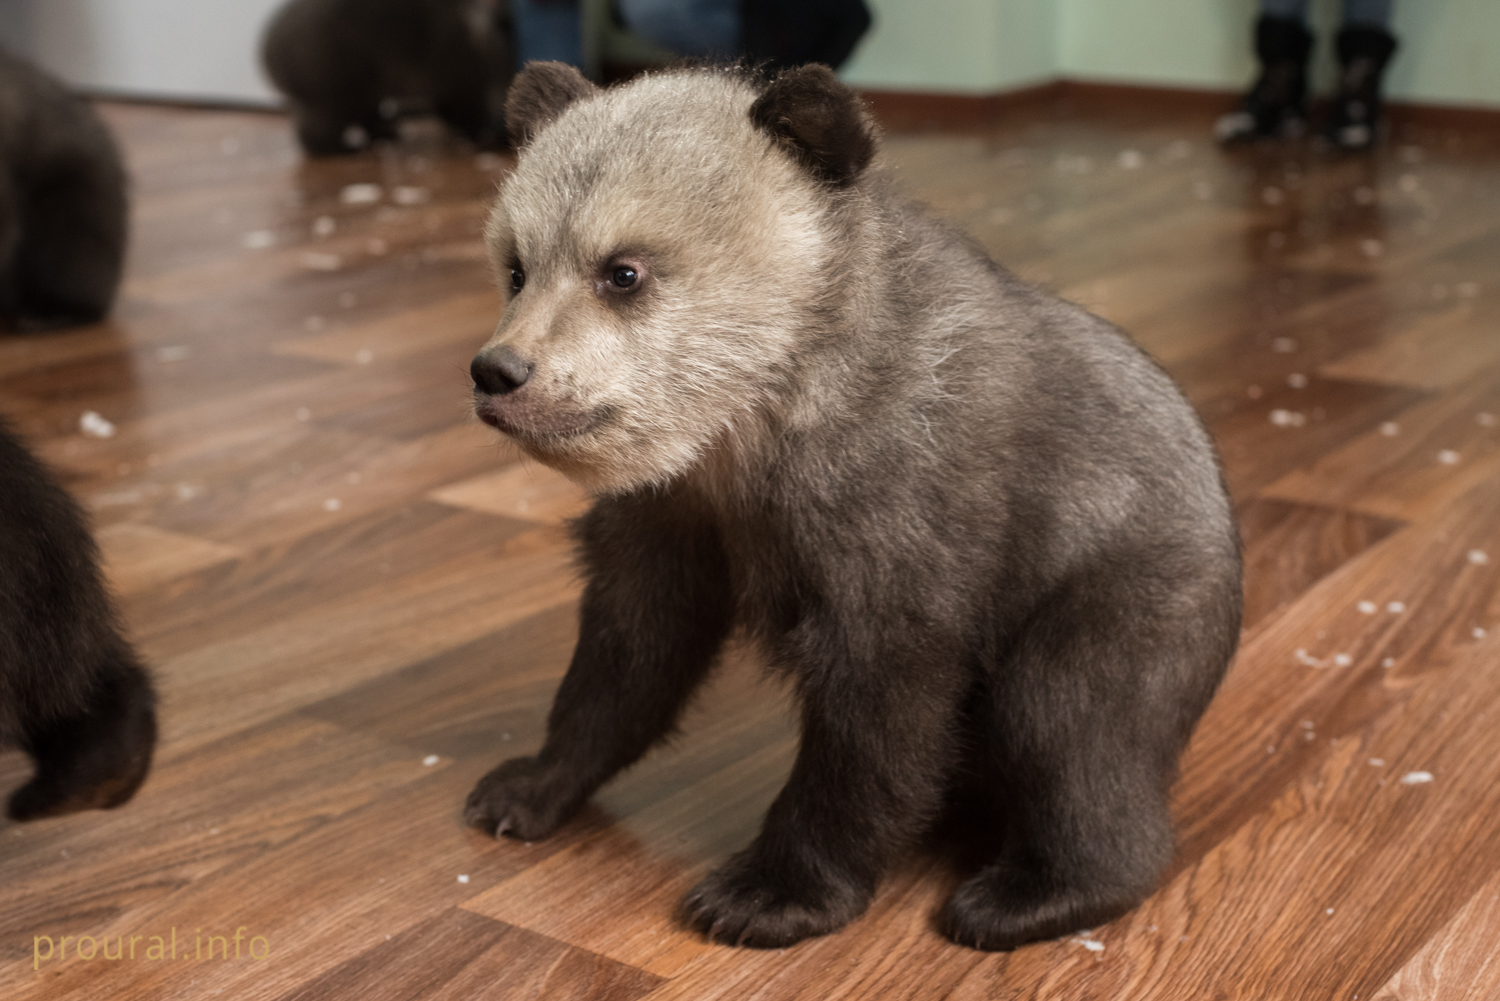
(980, 529)
(73, 695)
(351, 68)
(62, 204)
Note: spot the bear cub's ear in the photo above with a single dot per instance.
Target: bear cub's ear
(822, 122)
(538, 94)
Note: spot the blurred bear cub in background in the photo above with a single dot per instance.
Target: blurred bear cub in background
(352, 68)
(63, 211)
(72, 693)
(981, 530)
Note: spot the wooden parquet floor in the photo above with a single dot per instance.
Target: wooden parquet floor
(357, 601)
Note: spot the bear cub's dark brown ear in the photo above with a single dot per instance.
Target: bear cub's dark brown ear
(538, 94)
(821, 121)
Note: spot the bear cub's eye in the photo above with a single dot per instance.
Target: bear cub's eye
(625, 276)
(517, 279)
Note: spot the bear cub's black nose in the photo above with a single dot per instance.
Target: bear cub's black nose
(498, 371)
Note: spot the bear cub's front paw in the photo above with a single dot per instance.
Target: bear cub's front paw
(749, 902)
(523, 798)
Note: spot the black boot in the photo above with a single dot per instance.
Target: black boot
(1354, 120)
(1277, 104)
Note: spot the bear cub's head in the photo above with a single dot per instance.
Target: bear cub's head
(666, 248)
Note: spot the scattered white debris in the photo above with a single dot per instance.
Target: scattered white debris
(324, 225)
(174, 352)
(1448, 457)
(1307, 724)
(1092, 945)
(1416, 778)
(1377, 762)
(1371, 248)
(1297, 380)
(1328, 910)
(1367, 607)
(1485, 420)
(408, 195)
(376, 246)
(1478, 557)
(322, 262)
(1307, 660)
(1288, 418)
(1131, 159)
(1390, 429)
(1342, 660)
(332, 504)
(355, 137)
(95, 426)
(258, 239)
(189, 491)
(1408, 183)
(360, 194)
(464, 878)
(364, 356)
(1388, 662)
(1272, 196)
(431, 760)
(1479, 633)
(304, 414)
(1284, 345)
(1270, 748)
(1395, 607)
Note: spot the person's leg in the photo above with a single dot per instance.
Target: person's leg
(1277, 105)
(1364, 46)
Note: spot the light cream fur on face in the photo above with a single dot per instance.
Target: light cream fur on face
(670, 171)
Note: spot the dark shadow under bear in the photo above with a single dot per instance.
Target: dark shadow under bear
(72, 693)
(62, 205)
(352, 68)
(983, 532)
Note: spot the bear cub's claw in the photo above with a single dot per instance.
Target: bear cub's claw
(744, 902)
(523, 798)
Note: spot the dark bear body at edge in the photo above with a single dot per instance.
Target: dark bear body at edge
(982, 532)
(73, 694)
(63, 208)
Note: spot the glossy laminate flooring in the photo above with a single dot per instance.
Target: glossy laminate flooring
(357, 600)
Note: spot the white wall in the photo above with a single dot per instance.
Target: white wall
(194, 49)
(959, 46)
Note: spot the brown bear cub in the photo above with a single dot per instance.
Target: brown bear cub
(979, 528)
(352, 68)
(72, 693)
(62, 205)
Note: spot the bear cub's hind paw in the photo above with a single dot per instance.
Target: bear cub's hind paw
(746, 902)
(522, 797)
(996, 912)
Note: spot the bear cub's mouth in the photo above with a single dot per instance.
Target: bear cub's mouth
(529, 420)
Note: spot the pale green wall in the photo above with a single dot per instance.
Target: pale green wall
(1450, 52)
(957, 46)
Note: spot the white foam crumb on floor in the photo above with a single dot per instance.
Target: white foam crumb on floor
(1390, 429)
(1306, 659)
(407, 195)
(1283, 345)
(1377, 762)
(324, 225)
(1479, 633)
(258, 239)
(1368, 607)
(1288, 418)
(1416, 778)
(431, 760)
(360, 194)
(322, 262)
(364, 356)
(94, 425)
(173, 352)
(1342, 660)
(1395, 607)
(1478, 557)
(1328, 910)
(1092, 945)
(464, 878)
(1485, 420)
(1371, 248)
(1297, 380)
(1448, 457)
(332, 504)
(1388, 662)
